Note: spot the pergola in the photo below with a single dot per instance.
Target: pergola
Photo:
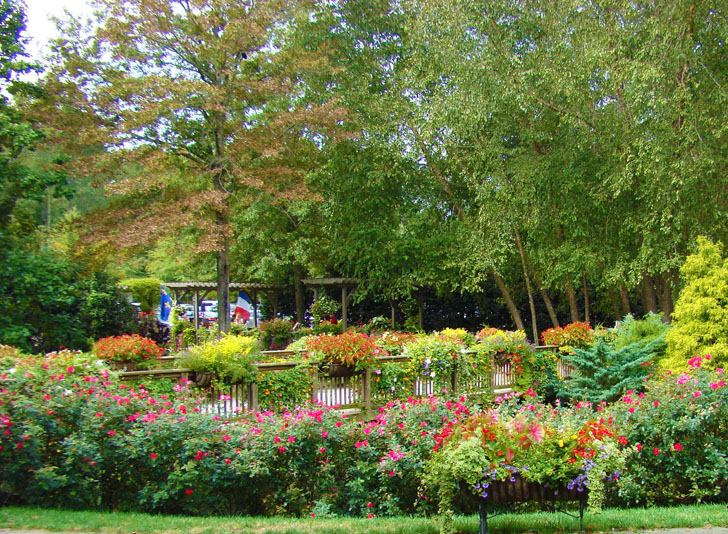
(347, 286)
(197, 291)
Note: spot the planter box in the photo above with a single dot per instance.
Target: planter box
(500, 493)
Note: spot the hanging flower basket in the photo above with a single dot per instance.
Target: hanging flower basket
(203, 380)
(339, 370)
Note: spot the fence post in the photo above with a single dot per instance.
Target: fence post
(367, 389)
(314, 383)
(253, 396)
(453, 382)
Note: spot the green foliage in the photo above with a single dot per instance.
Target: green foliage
(229, 358)
(700, 319)
(323, 308)
(604, 372)
(646, 329)
(145, 291)
(49, 302)
(284, 390)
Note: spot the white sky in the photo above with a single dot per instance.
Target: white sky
(40, 27)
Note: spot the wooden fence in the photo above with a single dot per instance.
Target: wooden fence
(354, 391)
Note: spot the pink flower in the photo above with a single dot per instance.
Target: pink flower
(697, 394)
(370, 516)
(291, 439)
(277, 439)
(226, 438)
(656, 451)
(111, 432)
(313, 514)
(153, 456)
(369, 504)
(200, 455)
(324, 434)
(678, 447)
(322, 449)
(360, 444)
(639, 447)
(656, 403)
(228, 460)
(281, 449)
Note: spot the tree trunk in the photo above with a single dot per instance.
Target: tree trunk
(393, 311)
(614, 299)
(509, 301)
(648, 287)
(223, 282)
(573, 304)
(624, 295)
(544, 295)
(586, 297)
(298, 290)
(665, 297)
(549, 307)
(420, 308)
(531, 304)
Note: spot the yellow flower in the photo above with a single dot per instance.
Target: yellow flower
(561, 443)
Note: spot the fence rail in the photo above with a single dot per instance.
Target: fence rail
(328, 390)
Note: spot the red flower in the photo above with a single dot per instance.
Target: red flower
(189, 492)
(656, 451)
(678, 447)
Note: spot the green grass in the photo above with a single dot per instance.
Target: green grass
(543, 522)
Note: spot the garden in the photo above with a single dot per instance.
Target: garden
(623, 430)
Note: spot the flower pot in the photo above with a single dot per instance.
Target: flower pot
(337, 370)
(123, 366)
(203, 379)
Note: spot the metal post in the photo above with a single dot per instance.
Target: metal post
(483, 514)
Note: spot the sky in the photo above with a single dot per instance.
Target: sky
(40, 27)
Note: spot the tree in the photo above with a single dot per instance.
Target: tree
(700, 322)
(184, 104)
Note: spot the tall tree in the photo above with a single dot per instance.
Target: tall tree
(179, 104)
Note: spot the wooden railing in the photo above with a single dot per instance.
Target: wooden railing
(352, 391)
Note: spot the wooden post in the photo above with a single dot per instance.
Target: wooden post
(367, 389)
(344, 305)
(253, 396)
(314, 383)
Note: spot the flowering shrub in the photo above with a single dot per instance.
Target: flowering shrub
(679, 438)
(275, 334)
(79, 439)
(578, 335)
(230, 358)
(349, 348)
(128, 348)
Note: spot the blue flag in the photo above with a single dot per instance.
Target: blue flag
(165, 305)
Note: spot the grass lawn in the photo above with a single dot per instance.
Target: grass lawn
(713, 515)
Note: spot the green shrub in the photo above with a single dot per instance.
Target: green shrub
(145, 291)
(632, 330)
(604, 373)
(700, 320)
